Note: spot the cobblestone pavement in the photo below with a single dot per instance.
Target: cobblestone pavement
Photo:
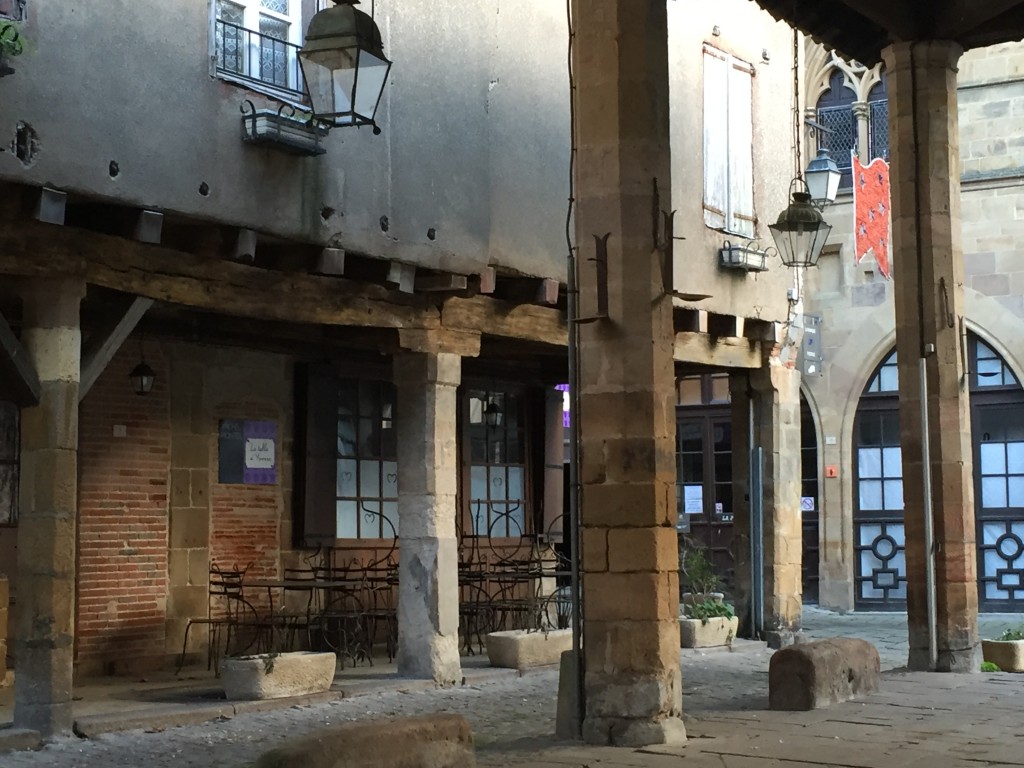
(724, 693)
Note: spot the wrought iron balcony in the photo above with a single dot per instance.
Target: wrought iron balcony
(260, 59)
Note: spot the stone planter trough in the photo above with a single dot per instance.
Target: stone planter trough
(709, 633)
(1008, 655)
(519, 648)
(276, 675)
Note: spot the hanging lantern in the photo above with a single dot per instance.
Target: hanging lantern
(142, 378)
(823, 177)
(344, 66)
(800, 232)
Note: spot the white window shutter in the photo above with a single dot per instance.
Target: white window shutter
(741, 150)
(716, 138)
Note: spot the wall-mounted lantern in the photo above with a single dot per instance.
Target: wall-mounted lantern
(142, 378)
(344, 66)
(493, 414)
(800, 232)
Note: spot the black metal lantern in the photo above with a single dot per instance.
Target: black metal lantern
(344, 66)
(493, 414)
(142, 378)
(823, 177)
(800, 232)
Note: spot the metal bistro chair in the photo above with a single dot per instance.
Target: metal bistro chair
(228, 613)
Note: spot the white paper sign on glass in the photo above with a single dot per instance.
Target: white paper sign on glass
(693, 499)
(259, 453)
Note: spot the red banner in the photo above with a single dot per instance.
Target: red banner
(871, 211)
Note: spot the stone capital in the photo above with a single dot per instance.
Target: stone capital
(926, 53)
(860, 110)
(434, 341)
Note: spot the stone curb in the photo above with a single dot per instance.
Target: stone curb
(19, 739)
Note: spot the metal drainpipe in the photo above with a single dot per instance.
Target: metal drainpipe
(929, 522)
(574, 488)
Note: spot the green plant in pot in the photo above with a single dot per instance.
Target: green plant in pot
(11, 44)
(1007, 651)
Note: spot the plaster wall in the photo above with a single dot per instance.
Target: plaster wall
(747, 33)
(475, 142)
(856, 302)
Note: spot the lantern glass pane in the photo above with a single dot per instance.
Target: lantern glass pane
(373, 71)
(344, 82)
(817, 184)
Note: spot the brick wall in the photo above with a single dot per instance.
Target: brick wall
(245, 520)
(122, 533)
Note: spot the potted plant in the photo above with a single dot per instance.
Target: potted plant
(707, 620)
(11, 44)
(1006, 651)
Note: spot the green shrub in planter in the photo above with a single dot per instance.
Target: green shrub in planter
(1012, 634)
(988, 666)
(709, 609)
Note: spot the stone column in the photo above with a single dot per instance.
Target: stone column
(861, 111)
(629, 552)
(48, 504)
(776, 391)
(428, 583)
(929, 276)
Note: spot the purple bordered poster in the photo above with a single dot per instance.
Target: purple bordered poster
(248, 452)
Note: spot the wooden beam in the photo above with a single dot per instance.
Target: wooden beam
(488, 280)
(547, 292)
(899, 19)
(446, 282)
(720, 352)
(331, 261)
(149, 227)
(215, 285)
(103, 344)
(498, 318)
(955, 19)
(52, 206)
(18, 380)
(402, 276)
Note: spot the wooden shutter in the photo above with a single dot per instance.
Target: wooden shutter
(741, 149)
(716, 138)
(316, 453)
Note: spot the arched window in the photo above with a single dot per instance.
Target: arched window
(835, 113)
(878, 120)
(997, 432)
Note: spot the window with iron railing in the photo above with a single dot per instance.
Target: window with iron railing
(258, 41)
(840, 133)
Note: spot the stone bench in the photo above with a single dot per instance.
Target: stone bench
(813, 675)
(520, 649)
(431, 741)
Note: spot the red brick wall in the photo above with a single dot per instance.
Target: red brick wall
(245, 520)
(122, 529)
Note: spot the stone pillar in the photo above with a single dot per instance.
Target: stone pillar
(554, 466)
(929, 277)
(48, 504)
(629, 552)
(861, 112)
(776, 392)
(188, 546)
(428, 583)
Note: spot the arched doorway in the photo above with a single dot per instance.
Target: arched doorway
(809, 503)
(997, 429)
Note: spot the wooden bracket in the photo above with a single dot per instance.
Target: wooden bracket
(103, 344)
(52, 206)
(17, 373)
(402, 276)
(149, 227)
(331, 261)
(488, 280)
(547, 292)
(245, 246)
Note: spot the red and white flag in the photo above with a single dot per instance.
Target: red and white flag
(871, 211)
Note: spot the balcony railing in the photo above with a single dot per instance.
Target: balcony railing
(259, 58)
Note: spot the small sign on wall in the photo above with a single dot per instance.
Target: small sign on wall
(247, 452)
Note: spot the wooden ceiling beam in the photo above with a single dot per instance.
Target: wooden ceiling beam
(899, 19)
(957, 19)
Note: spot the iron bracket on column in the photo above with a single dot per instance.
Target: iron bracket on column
(664, 244)
(601, 266)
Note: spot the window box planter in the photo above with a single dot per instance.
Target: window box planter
(520, 648)
(707, 633)
(282, 131)
(1008, 655)
(276, 675)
